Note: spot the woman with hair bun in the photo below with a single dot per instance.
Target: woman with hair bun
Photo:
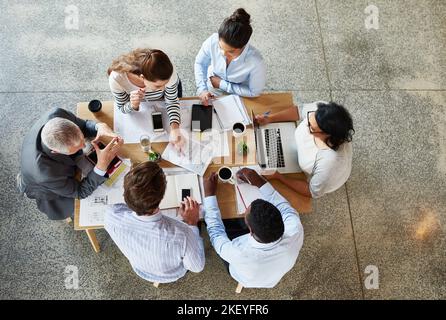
(227, 63)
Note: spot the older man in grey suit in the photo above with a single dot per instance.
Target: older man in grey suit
(50, 152)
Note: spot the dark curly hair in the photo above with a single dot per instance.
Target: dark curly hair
(334, 120)
(265, 221)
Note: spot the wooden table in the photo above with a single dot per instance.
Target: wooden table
(225, 192)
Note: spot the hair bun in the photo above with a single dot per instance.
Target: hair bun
(240, 15)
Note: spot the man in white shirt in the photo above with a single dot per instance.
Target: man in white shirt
(159, 248)
(262, 257)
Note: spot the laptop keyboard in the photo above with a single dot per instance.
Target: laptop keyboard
(274, 151)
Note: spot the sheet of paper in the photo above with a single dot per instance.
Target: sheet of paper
(245, 193)
(92, 208)
(196, 157)
(132, 125)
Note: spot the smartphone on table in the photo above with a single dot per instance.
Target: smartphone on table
(157, 120)
(185, 193)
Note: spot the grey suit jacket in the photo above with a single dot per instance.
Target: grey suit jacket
(50, 178)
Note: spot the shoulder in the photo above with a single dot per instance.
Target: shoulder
(173, 81)
(116, 79)
(255, 55)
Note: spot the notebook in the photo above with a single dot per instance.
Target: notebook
(231, 109)
(201, 117)
(177, 182)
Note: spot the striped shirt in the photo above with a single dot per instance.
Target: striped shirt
(159, 248)
(121, 87)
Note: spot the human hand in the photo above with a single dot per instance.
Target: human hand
(176, 138)
(189, 211)
(250, 176)
(205, 96)
(215, 81)
(263, 119)
(106, 155)
(104, 131)
(136, 97)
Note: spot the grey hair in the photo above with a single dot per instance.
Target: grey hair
(60, 134)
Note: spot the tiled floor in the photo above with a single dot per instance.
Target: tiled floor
(392, 211)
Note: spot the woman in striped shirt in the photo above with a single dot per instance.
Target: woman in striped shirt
(145, 75)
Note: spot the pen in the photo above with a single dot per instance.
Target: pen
(218, 118)
(266, 114)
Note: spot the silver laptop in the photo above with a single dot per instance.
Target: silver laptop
(276, 146)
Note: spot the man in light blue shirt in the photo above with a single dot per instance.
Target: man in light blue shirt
(159, 248)
(262, 257)
(227, 63)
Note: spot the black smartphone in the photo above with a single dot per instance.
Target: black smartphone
(93, 158)
(185, 193)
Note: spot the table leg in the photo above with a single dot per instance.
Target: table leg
(93, 240)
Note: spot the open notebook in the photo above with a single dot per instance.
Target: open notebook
(231, 109)
(245, 193)
(176, 181)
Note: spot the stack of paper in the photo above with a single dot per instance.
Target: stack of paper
(231, 109)
(93, 207)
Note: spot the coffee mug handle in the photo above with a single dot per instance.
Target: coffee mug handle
(231, 180)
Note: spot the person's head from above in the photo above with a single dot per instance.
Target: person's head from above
(332, 123)
(152, 66)
(264, 221)
(144, 188)
(234, 33)
(62, 136)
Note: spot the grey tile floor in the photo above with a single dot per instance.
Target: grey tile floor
(391, 213)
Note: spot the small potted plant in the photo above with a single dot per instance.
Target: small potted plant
(154, 156)
(242, 148)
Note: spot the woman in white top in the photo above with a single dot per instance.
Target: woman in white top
(145, 75)
(324, 146)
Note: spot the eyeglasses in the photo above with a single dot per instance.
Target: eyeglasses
(309, 125)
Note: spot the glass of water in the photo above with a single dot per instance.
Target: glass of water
(145, 143)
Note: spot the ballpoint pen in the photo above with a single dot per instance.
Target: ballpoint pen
(218, 118)
(266, 114)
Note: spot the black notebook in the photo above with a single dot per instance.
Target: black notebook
(201, 117)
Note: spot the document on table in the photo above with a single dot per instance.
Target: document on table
(196, 157)
(93, 207)
(245, 193)
(131, 126)
(231, 109)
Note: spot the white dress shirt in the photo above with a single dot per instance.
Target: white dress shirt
(245, 76)
(255, 264)
(159, 248)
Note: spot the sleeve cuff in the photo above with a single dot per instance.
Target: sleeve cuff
(210, 201)
(99, 172)
(223, 85)
(267, 189)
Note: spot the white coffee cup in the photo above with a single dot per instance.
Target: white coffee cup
(226, 175)
(238, 129)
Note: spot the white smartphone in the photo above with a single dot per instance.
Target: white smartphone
(157, 120)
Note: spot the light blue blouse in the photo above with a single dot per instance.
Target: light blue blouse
(245, 76)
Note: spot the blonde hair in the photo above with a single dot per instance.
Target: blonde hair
(153, 64)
